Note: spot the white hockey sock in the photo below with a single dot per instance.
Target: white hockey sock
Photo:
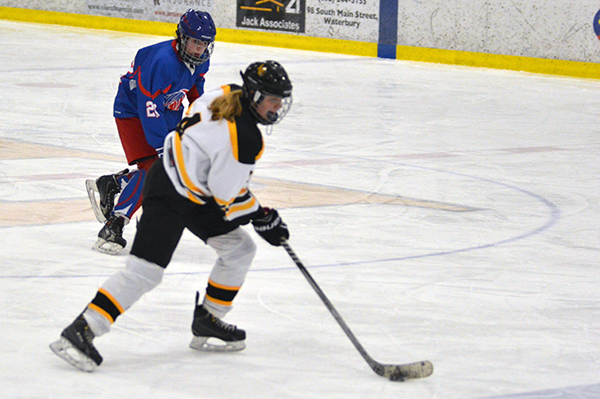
(236, 251)
(121, 291)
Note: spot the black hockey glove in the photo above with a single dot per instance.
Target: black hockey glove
(271, 227)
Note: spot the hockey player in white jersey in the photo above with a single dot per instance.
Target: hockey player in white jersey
(202, 184)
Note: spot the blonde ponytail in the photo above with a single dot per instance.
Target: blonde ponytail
(227, 106)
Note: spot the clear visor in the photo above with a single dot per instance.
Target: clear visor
(195, 51)
(270, 109)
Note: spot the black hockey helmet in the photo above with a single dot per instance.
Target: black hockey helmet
(263, 79)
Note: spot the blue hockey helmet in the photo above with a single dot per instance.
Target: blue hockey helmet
(195, 28)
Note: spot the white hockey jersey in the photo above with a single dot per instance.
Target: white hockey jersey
(215, 158)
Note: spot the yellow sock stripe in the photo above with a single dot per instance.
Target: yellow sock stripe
(218, 301)
(112, 299)
(223, 287)
(102, 312)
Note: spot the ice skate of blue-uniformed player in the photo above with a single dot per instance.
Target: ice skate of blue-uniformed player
(202, 184)
(148, 105)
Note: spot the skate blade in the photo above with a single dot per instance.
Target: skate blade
(106, 247)
(216, 345)
(65, 350)
(92, 190)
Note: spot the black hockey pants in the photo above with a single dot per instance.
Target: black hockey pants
(166, 214)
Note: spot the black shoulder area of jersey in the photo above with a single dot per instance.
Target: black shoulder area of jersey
(234, 87)
(249, 138)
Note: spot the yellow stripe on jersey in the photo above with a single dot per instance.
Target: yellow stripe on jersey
(232, 126)
(223, 203)
(261, 151)
(244, 206)
(233, 134)
(194, 192)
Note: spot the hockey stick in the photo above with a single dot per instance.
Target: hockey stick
(395, 372)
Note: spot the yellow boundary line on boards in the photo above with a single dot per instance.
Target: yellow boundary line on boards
(408, 53)
(576, 69)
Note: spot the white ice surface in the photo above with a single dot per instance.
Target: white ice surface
(450, 214)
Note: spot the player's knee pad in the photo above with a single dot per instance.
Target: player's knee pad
(139, 277)
(235, 249)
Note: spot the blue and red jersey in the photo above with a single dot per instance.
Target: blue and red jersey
(154, 88)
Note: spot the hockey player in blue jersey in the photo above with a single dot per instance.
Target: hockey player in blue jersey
(148, 105)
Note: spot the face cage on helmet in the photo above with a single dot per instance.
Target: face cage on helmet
(272, 117)
(192, 59)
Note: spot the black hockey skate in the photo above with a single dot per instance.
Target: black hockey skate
(75, 346)
(206, 326)
(110, 238)
(107, 187)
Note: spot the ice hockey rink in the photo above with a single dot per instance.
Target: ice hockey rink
(449, 213)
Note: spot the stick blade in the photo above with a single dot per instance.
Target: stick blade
(401, 372)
